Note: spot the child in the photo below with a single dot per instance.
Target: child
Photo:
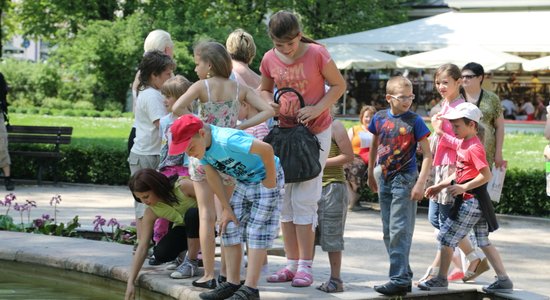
(169, 165)
(397, 131)
(172, 200)
(333, 206)
(300, 63)
(474, 209)
(219, 101)
(155, 68)
(356, 171)
(252, 213)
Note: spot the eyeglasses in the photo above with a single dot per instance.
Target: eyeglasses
(469, 76)
(403, 98)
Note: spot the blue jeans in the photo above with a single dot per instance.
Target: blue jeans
(398, 214)
(438, 213)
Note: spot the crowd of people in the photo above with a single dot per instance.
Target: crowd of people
(199, 167)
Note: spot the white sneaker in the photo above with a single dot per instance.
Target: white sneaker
(186, 270)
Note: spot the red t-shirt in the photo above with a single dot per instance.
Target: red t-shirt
(305, 76)
(470, 158)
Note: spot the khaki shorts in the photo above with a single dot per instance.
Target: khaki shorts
(332, 212)
(138, 162)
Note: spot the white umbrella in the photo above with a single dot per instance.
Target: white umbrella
(348, 56)
(539, 64)
(461, 55)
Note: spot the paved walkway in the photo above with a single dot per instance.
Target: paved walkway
(524, 244)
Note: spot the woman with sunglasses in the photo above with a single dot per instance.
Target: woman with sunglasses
(489, 104)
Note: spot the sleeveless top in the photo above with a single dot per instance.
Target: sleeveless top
(176, 212)
(333, 174)
(220, 113)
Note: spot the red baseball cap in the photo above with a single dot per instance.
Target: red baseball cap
(183, 129)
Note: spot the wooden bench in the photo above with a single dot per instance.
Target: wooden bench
(52, 135)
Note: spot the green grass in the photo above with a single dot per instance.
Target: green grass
(108, 132)
(523, 151)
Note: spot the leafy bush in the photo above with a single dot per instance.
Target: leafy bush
(524, 193)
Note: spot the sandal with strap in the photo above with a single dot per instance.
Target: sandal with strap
(483, 266)
(302, 279)
(332, 286)
(283, 275)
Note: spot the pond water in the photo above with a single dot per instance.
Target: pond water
(34, 282)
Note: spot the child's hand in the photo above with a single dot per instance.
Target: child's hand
(226, 217)
(372, 184)
(275, 107)
(130, 291)
(269, 183)
(432, 191)
(437, 124)
(456, 189)
(417, 192)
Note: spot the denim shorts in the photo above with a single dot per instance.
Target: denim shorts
(258, 210)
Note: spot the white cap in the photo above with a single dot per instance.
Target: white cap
(464, 110)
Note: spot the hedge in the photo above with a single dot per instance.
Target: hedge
(524, 191)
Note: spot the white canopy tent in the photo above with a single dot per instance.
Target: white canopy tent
(461, 55)
(349, 56)
(539, 64)
(517, 31)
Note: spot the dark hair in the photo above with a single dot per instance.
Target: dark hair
(153, 63)
(284, 26)
(145, 180)
(216, 55)
(453, 71)
(479, 127)
(476, 68)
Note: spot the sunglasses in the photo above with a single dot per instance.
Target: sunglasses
(469, 76)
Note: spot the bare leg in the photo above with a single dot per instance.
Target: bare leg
(205, 201)
(256, 259)
(305, 237)
(233, 262)
(446, 257)
(193, 246)
(494, 258)
(335, 259)
(290, 240)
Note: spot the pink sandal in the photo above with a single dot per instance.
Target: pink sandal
(283, 275)
(302, 279)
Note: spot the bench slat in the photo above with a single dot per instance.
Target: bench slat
(42, 139)
(36, 154)
(40, 129)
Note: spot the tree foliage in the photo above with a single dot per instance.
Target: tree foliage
(99, 42)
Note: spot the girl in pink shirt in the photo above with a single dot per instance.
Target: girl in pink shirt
(302, 64)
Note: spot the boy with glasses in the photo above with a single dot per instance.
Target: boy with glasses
(396, 133)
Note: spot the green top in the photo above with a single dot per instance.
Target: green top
(175, 213)
(491, 108)
(334, 173)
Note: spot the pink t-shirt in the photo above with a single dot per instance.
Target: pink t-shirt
(470, 158)
(305, 76)
(445, 153)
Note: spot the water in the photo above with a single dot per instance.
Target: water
(24, 281)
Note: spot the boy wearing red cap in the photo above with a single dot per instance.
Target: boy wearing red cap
(253, 211)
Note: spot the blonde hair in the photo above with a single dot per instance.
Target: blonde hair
(157, 40)
(175, 86)
(397, 82)
(365, 109)
(215, 54)
(240, 45)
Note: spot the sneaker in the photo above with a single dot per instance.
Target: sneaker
(176, 262)
(187, 269)
(500, 286)
(223, 291)
(10, 186)
(245, 293)
(435, 284)
(153, 261)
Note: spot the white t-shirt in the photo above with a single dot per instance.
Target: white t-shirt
(149, 108)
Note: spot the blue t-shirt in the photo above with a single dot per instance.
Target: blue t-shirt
(398, 136)
(229, 153)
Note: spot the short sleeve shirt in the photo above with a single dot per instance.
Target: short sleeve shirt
(149, 108)
(229, 153)
(470, 159)
(398, 139)
(305, 76)
(167, 160)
